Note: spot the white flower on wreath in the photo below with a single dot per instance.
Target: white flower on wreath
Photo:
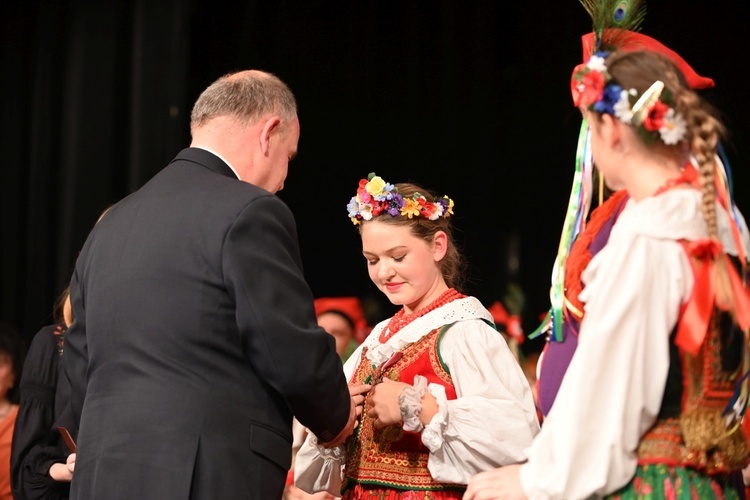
(365, 209)
(438, 212)
(622, 107)
(674, 128)
(597, 63)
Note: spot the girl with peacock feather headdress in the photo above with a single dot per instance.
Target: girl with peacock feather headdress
(650, 405)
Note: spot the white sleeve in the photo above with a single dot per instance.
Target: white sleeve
(613, 389)
(317, 468)
(493, 420)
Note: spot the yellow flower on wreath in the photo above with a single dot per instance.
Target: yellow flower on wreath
(410, 208)
(449, 210)
(375, 186)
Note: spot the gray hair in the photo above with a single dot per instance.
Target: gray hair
(246, 96)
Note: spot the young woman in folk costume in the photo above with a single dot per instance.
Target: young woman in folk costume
(651, 403)
(583, 237)
(448, 399)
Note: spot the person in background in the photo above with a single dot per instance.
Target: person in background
(448, 398)
(12, 353)
(195, 342)
(42, 463)
(343, 318)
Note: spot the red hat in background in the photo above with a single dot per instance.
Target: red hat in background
(629, 41)
(351, 307)
(512, 323)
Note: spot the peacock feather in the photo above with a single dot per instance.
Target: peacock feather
(612, 17)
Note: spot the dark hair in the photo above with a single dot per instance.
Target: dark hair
(13, 345)
(342, 314)
(452, 265)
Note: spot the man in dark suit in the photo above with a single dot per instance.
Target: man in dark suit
(195, 339)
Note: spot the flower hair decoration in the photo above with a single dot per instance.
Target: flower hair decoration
(651, 113)
(375, 197)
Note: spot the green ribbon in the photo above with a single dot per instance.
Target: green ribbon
(557, 291)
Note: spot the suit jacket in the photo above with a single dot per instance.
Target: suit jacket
(195, 341)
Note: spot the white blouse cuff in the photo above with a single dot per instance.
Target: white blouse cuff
(432, 435)
(324, 472)
(335, 453)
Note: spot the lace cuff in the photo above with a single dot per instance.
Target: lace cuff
(410, 403)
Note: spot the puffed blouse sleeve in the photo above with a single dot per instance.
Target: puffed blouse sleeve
(34, 448)
(492, 420)
(612, 391)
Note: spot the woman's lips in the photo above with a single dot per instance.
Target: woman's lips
(392, 287)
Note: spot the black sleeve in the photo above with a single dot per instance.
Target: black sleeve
(35, 443)
(276, 319)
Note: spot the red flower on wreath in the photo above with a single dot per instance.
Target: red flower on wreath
(655, 118)
(426, 209)
(587, 87)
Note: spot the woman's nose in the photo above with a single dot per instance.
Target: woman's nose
(385, 271)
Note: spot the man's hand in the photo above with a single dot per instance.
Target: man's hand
(357, 399)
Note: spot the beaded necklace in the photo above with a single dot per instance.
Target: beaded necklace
(688, 176)
(401, 319)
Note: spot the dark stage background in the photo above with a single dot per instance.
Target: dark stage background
(469, 98)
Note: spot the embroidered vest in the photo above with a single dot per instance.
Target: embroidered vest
(390, 457)
(691, 429)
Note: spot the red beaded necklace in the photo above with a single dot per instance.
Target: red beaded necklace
(401, 319)
(688, 176)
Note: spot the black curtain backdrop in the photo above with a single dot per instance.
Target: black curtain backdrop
(468, 98)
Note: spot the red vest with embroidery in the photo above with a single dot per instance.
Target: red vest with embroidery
(693, 429)
(390, 457)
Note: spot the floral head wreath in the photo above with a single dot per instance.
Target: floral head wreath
(651, 113)
(375, 196)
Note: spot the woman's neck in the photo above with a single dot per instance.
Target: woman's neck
(648, 175)
(439, 288)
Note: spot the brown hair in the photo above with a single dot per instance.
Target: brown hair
(246, 96)
(452, 265)
(58, 314)
(639, 70)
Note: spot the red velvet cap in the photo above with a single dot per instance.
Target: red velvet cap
(632, 41)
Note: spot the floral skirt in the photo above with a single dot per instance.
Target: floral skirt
(652, 482)
(360, 492)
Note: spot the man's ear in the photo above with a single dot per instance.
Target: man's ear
(269, 129)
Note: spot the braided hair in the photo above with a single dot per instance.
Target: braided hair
(639, 70)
